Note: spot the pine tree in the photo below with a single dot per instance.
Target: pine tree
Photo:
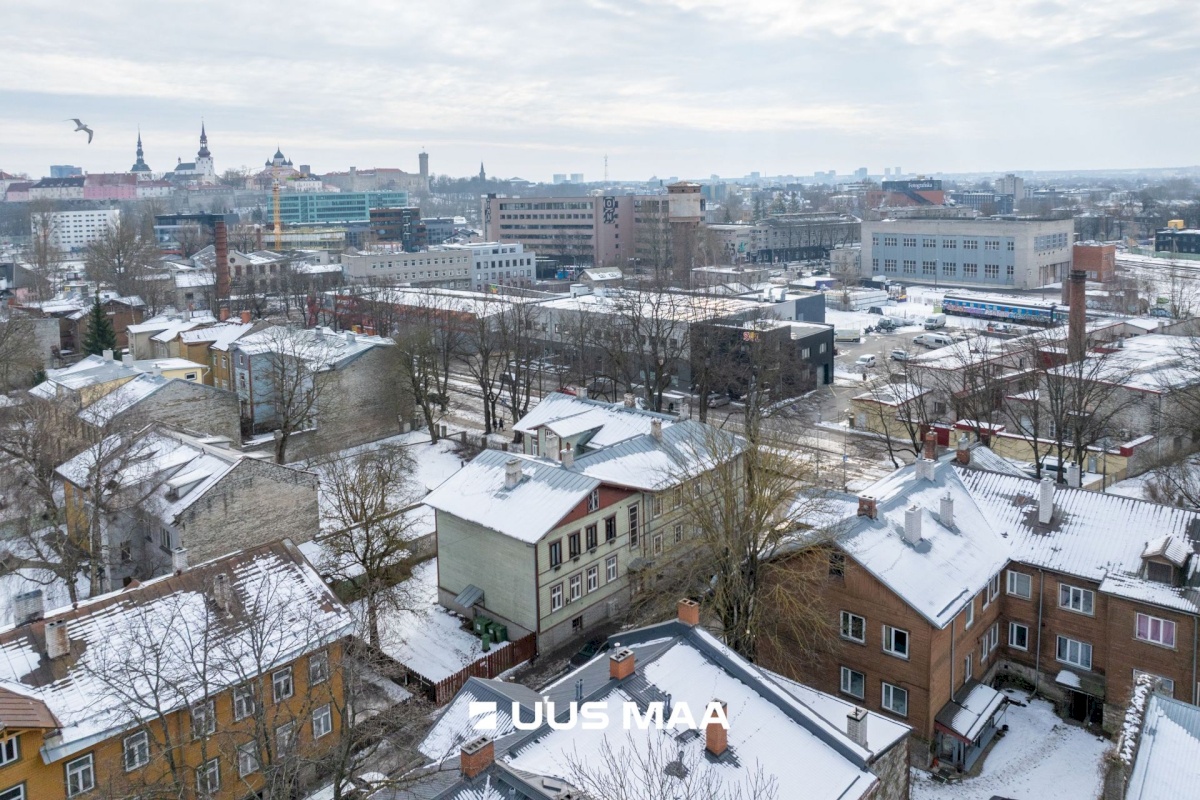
(100, 334)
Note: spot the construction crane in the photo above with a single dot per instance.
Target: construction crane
(278, 223)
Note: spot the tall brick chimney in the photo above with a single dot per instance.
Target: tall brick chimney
(221, 247)
(1077, 319)
(621, 664)
(931, 445)
(716, 736)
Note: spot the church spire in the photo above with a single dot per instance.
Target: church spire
(482, 174)
(203, 151)
(140, 164)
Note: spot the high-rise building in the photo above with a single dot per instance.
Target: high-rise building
(1011, 185)
(64, 171)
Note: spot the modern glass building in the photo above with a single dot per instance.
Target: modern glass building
(307, 208)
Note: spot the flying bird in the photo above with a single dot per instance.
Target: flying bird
(79, 126)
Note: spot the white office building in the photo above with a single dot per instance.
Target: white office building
(499, 264)
(441, 267)
(75, 230)
(991, 252)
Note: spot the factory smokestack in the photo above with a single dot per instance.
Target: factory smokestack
(1077, 319)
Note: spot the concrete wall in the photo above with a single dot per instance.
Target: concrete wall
(498, 564)
(197, 408)
(257, 502)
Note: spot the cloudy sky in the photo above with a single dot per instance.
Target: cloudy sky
(663, 87)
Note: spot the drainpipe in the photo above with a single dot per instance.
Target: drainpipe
(1195, 633)
(1037, 664)
(952, 653)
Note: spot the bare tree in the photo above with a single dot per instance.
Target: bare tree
(288, 391)
(192, 239)
(659, 769)
(122, 257)
(20, 360)
(365, 498)
(517, 326)
(419, 364)
(43, 254)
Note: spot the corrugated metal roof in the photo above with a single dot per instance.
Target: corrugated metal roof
(1167, 766)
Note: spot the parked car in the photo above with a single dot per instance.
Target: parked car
(900, 355)
(865, 361)
(1159, 311)
(588, 652)
(718, 399)
(932, 340)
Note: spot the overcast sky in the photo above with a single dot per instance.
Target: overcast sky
(682, 88)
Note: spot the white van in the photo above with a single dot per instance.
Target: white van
(932, 340)
(935, 321)
(848, 335)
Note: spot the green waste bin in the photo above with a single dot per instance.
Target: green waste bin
(501, 633)
(487, 642)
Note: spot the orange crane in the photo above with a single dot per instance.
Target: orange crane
(278, 223)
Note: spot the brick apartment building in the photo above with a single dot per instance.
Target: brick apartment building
(944, 578)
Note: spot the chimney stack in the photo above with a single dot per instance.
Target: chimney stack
(931, 445)
(621, 664)
(629, 401)
(716, 736)
(912, 524)
(1046, 501)
(28, 607)
(245, 317)
(108, 355)
(224, 315)
(179, 560)
(1074, 479)
(58, 642)
(925, 468)
(656, 429)
(856, 726)
(868, 506)
(127, 359)
(567, 456)
(512, 473)
(689, 612)
(1077, 317)
(582, 393)
(222, 591)
(946, 511)
(963, 454)
(476, 756)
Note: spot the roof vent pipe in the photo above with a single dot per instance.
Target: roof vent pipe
(912, 524)
(1046, 501)
(946, 511)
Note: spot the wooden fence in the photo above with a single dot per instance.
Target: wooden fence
(489, 666)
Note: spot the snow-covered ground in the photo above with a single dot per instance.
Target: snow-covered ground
(428, 640)
(1041, 757)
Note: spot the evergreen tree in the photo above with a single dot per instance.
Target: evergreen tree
(100, 333)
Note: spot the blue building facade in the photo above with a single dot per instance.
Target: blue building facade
(309, 208)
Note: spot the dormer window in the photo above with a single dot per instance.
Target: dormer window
(1164, 557)
(1160, 572)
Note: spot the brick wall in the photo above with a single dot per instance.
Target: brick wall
(197, 408)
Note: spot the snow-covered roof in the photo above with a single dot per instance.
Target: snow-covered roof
(776, 726)
(166, 328)
(567, 415)
(121, 399)
(1154, 363)
(893, 394)
(643, 462)
(219, 336)
(970, 710)
(546, 493)
(194, 279)
(944, 571)
(90, 371)
(322, 348)
(1167, 766)
(132, 653)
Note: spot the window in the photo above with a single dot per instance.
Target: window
(970, 270)
(1018, 636)
(137, 750)
(678, 533)
(950, 244)
(282, 684)
(929, 243)
(970, 244)
(1011, 245)
(895, 641)
(1155, 630)
(910, 266)
(657, 544)
(204, 719)
(1076, 599)
(993, 636)
(322, 721)
(590, 532)
(991, 244)
(949, 268)
(556, 596)
(992, 591)
(854, 627)
(895, 699)
(81, 776)
(594, 500)
(573, 544)
(318, 667)
(928, 267)
(285, 737)
(1019, 585)
(610, 569)
(208, 778)
(968, 666)
(677, 497)
(658, 505)
(889, 241)
(1076, 653)
(576, 583)
(837, 564)
(1165, 685)
(247, 759)
(991, 270)
(853, 683)
(593, 578)
(243, 701)
(610, 529)
(10, 750)
(1160, 573)
(910, 241)
(633, 526)
(970, 615)
(556, 552)
(889, 265)
(15, 793)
